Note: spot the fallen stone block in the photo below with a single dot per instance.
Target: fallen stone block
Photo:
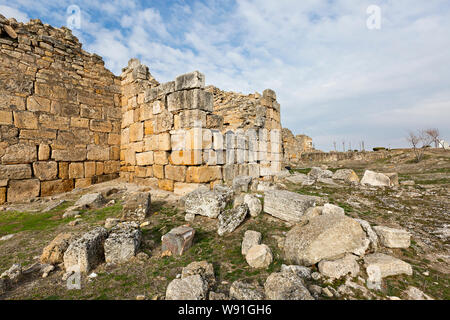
(178, 240)
(346, 175)
(393, 238)
(339, 268)
(332, 209)
(259, 256)
(301, 271)
(286, 286)
(189, 288)
(325, 237)
(245, 291)
(87, 252)
(54, 252)
(251, 238)
(375, 179)
(286, 205)
(89, 201)
(231, 219)
(207, 203)
(123, 242)
(201, 268)
(379, 266)
(241, 184)
(137, 206)
(318, 173)
(254, 205)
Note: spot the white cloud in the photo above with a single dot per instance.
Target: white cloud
(10, 12)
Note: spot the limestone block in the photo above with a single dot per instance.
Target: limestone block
(75, 154)
(166, 185)
(19, 190)
(251, 238)
(49, 188)
(145, 158)
(158, 171)
(190, 81)
(137, 132)
(100, 125)
(176, 173)
(286, 205)
(2, 195)
(123, 242)
(6, 117)
(19, 154)
(178, 240)
(44, 152)
(87, 252)
(76, 170)
(339, 268)
(53, 253)
(182, 189)
(25, 120)
(161, 157)
(45, 170)
(203, 174)
(158, 107)
(15, 171)
(259, 256)
(393, 238)
(163, 122)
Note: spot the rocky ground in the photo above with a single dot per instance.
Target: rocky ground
(230, 249)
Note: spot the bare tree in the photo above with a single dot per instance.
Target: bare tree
(334, 144)
(433, 134)
(418, 141)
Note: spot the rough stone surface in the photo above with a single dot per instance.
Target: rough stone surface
(336, 269)
(297, 178)
(54, 252)
(286, 205)
(371, 235)
(259, 256)
(385, 266)
(375, 179)
(231, 219)
(92, 200)
(137, 206)
(178, 240)
(301, 271)
(332, 209)
(189, 288)
(346, 175)
(286, 286)
(201, 268)
(86, 252)
(318, 173)
(241, 183)
(254, 205)
(393, 238)
(251, 238)
(123, 242)
(207, 203)
(324, 237)
(245, 291)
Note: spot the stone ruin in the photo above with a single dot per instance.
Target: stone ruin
(67, 122)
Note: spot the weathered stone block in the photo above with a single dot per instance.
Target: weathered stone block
(166, 185)
(87, 252)
(2, 195)
(49, 188)
(123, 242)
(145, 158)
(286, 205)
(137, 132)
(45, 170)
(6, 117)
(161, 157)
(190, 81)
(203, 174)
(393, 238)
(98, 153)
(251, 238)
(74, 154)
(76, 170)
(16, 171)
(176, 173)
(20, 153)
(100, 125)
(19, 190)
(53, 253)
(25, 120)
(178, 240)
(44, 152)
(163, 122)
(182, 189)
(137, 206)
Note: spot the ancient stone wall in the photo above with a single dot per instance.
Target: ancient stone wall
(60, 116)
(174, 138)
(294, 146)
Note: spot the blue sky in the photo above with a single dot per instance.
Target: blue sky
(336, 80)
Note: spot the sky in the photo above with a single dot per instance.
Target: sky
(337, 80)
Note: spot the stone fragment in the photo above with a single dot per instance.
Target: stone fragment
(346, 175)
(259, 256)
(339, 268)
(231, 219)
(254, 205)
(412, 293)
(191, 80)
(89, 201)
(318, 173)
(87, 252)
(325, 237)
(384, 266)
(189, 288)
(371, 235)
(137, 206)
(207, 203)
(286, 286)
(286, 205)
(375, 179)
(201, 268)
(332, 209)
(241, 184)
(393, 238)
(123, 242)
(178, 240)
(301, 271)
(297, 178)
(54, 252)
(245, 291)
(251, 238)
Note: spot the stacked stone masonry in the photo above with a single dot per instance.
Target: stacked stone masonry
(68, 122)
(60, 113)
